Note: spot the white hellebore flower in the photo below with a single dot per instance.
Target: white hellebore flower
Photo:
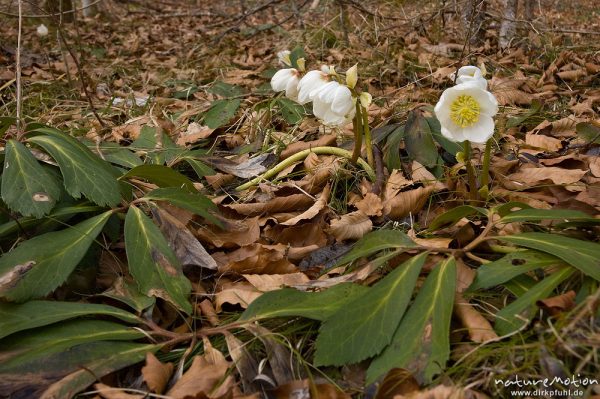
(466, 112)
(286, 79)
(310, 84)
(42, 30)
(333, 104)
(470, 74)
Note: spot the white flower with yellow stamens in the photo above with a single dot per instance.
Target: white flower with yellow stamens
(286, 79)
(470, 74)
(466, 112)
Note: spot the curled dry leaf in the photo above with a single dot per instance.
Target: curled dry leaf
(351, 226)
(270, 282)
(564, 127)
(156, 374)
(420, 174)
(234, 233)
(279, 355)
(288, 203)
(300, 235)
(307, 389)
(526, 177)
(443, 392)
(543, 142)
(256, 259)
(370, 205)
(406, 202)
(193, 133)
(314, 210)
(108, 392)
(559, 303)
(395, 183)
(247, 169)
(240, 293)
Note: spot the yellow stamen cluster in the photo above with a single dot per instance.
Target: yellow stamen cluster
(465, 111)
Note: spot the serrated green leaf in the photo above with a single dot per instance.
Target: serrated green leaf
(377, 241)
(519, 312)
(129, 294)
(510, 266)
(64, 374)
(582, 255)
(160, 175)
(221, 112)
(352, 336)
(225, 90)
(312, 305)
(452, 216)
(40, 264)
(26, 347)
(83, 172)
(193, 202)
(421, 342)
(122, 156)
(292, 111)
(419, 141)
(19, 317)
(152, 263)
(532, 214)
(26, 186)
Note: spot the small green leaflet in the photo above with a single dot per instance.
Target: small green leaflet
(519, 312)
(421, 341)
(221, 112)
(83, 172)
(152, 263)
(157, 151)
(292, 111)
(160, 175)
(15, 318)
(377, 241)
(365, 325)
(26, 186)
(510, 266)
(24, 348)
(40, 264)
(582, 255)
(312, 305)
(193, 202)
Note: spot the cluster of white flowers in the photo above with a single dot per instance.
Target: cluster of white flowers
(333, 102)
(466, 111)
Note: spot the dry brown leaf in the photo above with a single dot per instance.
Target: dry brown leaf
(407, 202)
(256, 259)
(479, 328)
(397, 382)
(543, 142)
(526, 177)
(234, 233)
(245, 363)
(311, 212)
(193, 133)
(395, 183)
(307, 389)
(559, 303)
(300, 235)
(271, 282)
(572, 75)
(246, 169)
(351, 226)
(564, 127)
(370, 205)
(108, 392)
(327, 140)
(288, 203)
(442, 392)
(420, 173)
(240, 293)
(156, 374)
(206, 375)
(594, 166)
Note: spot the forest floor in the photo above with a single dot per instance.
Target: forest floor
(163, 76)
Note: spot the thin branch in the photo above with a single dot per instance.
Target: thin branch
(8, 14)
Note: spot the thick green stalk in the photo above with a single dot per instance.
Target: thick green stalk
(367, 134)
(485, 172)
(300, 156)
(470, 171)
(357, 126)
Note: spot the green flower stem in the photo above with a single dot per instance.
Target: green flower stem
(300, 156)
(485, 173)
(357, 127)
(367, 133)
(470, 171)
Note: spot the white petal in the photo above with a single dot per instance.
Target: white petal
(320, 108)
(470, 71)
(333, 119)
(481, 131)
(291, 89)
(327, 92)
(280, 80)
(455, 134)
(480, 82)
(342, 102)
(310, 82)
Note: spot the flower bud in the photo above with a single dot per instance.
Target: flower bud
(365, 99)
(42, 30)
(301, 64)
(352, 76)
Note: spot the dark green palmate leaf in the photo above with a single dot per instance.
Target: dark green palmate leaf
(582, 255)
(421, 341)
(419, 141)
(152, 263)
(83, 172)
(292, 111)
(365, 325)
(40, 264)
(65, 373)
(312, 305)
(221, 112)
(15, 318)
(519, 312)
(160, 175)
(24, 348)
(510, 266)
(26, 186)
(193, 202)
(377, 241)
